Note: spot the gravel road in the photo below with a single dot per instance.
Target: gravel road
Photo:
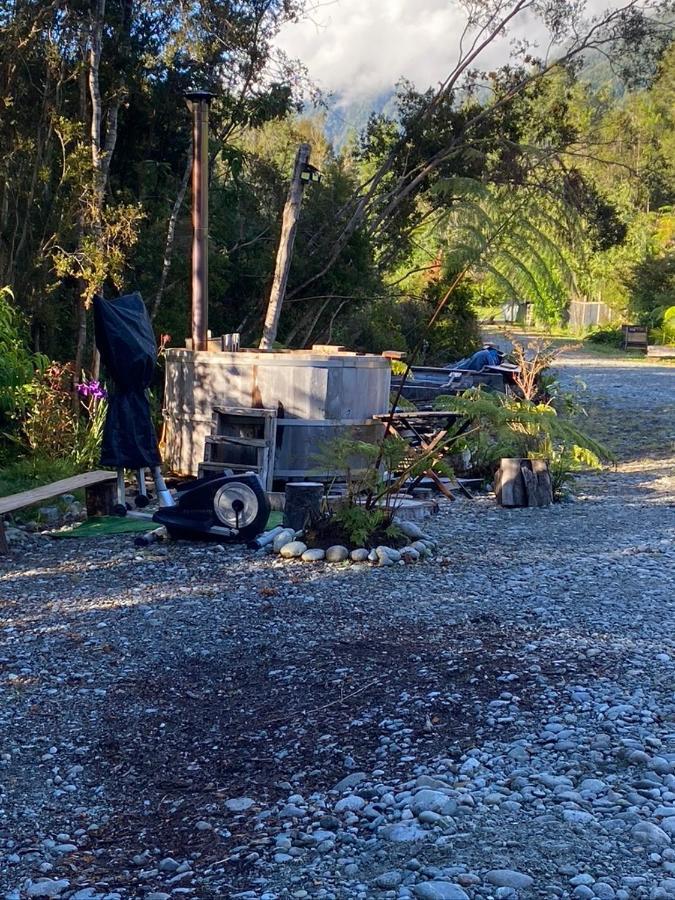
(498, 722)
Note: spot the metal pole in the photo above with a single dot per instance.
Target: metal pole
(198, 102)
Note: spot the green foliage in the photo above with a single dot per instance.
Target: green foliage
(668, 326)
(374, 474)
(57, 428)
(524, 244)
(507, 427)
(17, 363)
(33, 471)
(607, 335)
(359, 522)
(49, 423)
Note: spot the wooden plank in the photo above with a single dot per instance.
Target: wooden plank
(658, 352)
(47, 491)
(240, 441)
(245, 411)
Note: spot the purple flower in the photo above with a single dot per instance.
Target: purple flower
(92, 389)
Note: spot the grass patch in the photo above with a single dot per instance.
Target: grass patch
(31, 472)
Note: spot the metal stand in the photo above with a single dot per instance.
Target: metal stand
(163, 493)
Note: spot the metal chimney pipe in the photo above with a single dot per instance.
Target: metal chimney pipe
(199, 101)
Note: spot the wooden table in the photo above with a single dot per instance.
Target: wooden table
(426, 431)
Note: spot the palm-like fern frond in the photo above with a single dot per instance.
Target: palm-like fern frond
(527, 244)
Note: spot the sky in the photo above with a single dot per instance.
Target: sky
(360, 48)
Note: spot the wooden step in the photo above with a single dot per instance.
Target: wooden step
(241, 441)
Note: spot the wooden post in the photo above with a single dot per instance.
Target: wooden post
(101, 498)
(198, 102)
(303, 504)
(289, 225)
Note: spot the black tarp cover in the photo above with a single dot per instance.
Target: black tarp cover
(126, 342)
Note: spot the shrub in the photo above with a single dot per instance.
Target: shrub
(17, 363)
(609, 335)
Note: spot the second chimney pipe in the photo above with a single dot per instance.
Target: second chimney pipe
(198, 102)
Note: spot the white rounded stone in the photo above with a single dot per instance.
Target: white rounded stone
(293, 549)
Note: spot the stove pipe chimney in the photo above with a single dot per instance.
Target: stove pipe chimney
(199, 101)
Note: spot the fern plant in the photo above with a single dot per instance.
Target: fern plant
(526, 245)
(511, 427)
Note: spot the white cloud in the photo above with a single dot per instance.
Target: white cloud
(360, 48)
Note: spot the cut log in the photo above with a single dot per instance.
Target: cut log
(303, 504)
(523, 482)
(101, 498)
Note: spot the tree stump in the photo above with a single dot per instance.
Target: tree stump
(101, 498)
(303, 504)
(523, 482)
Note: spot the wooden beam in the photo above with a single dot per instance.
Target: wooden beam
(289, 227)
(55, 489)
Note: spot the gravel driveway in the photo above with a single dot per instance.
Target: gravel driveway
(498, 722)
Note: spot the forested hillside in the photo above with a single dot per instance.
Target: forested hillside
(527, 182)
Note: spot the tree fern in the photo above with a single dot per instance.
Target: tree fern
(506, 426)
(528, 245)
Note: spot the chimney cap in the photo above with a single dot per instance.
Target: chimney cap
(199, 96)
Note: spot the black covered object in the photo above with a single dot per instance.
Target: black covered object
(126, 342)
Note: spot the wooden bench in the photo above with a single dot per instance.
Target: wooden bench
(657, 351)
(100, 493)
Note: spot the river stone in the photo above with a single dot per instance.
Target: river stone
(400, 833)
(360, 555)
(509, 878)
(350, 781)
(47, 888)
(432, 801)
(314, 554)
(439, 890)
(337, 553)
(385, 556)
(410, 554)
(387, 881)
(350, 803)
(293, 549)
(284, 537)
(409, 529)
(237, 805)
(421, 547)
(647, 833)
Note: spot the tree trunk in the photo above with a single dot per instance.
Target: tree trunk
(171, 235)
(289, 227)
(303, 504)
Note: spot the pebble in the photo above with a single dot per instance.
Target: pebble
(47, 888)
(439, 890)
